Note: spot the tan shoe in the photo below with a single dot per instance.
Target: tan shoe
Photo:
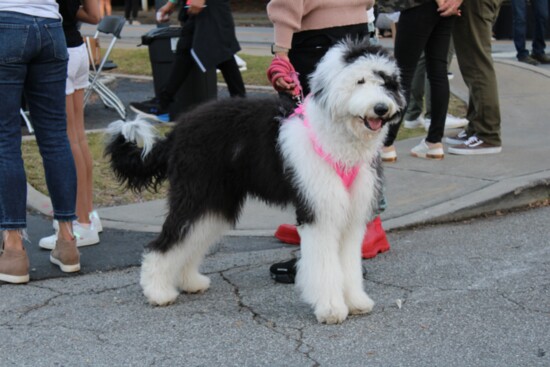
(14, 266)
(66, 255)
(388, 154)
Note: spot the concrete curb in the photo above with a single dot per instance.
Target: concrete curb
(508, 194)
(522, 65)
(512, 193)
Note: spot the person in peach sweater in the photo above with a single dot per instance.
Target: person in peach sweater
(303, 32)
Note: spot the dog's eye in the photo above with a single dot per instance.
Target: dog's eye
(361, 81)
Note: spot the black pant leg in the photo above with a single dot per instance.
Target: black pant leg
(233, 78)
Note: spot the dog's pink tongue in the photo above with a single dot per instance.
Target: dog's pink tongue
(375, 123)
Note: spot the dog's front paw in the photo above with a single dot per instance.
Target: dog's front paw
(331, 314)
(161, 296)
(359, 303)
(195, 283)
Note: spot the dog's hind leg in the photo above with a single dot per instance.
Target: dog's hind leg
(205, 232)
(159, 275)
(164, 259)
(320, 276)
(163, 274)
(355, 297)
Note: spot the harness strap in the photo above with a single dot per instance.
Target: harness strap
(347, 175)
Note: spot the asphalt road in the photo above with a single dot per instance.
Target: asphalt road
(475, 293)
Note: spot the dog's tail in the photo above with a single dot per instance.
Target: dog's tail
(138, 157)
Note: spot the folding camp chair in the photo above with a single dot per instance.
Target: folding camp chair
(108, 25)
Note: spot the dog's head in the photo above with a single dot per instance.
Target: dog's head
(359, 84)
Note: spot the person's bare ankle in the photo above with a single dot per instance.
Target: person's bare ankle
(13, 239)
(66, 231)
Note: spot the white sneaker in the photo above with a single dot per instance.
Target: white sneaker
(414, 124)
(388, 154)
(451, 122)
(432, 151)
(455, 122)
(94, 219)
(84, 237)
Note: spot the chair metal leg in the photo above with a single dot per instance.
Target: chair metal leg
(27, 121)
(110, 99)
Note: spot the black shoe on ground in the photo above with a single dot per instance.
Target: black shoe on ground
(150, 108)
(542, 58)
(285, 272)
(528, 60)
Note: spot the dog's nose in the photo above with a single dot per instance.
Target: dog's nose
(381, 109)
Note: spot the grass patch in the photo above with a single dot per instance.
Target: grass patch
(106, 191)
(131, 61)
(256, 73)
(136, 62)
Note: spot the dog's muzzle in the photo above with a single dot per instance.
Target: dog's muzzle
(376, 123)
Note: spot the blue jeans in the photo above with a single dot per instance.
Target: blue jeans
(33, 62)
(519, 15)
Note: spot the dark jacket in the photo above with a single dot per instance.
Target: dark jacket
(213, 38)
(68, 10)
(390, 6)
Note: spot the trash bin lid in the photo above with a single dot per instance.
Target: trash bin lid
(160, 33)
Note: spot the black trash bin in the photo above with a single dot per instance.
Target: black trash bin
(199, 87)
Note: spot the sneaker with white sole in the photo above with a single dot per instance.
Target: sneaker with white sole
(457, 139)
(414, 124)
(152, 109)
(388, 154)
(428, 150)
(94, 219)
(451, 122)
(66, 256)
(475, 146)
(14, 266)
(84, 237)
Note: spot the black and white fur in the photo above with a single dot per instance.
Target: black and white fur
(223, 151)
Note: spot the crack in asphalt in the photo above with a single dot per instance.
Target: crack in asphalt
(522, 306)
(301, 347)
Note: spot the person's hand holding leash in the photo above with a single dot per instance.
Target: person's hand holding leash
(283, 76)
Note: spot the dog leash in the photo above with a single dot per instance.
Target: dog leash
(281, 68)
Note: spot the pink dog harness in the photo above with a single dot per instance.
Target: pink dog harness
(347, 175)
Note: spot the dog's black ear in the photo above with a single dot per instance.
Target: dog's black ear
(355, 48)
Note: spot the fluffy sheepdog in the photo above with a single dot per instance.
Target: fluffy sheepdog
(321, 157)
